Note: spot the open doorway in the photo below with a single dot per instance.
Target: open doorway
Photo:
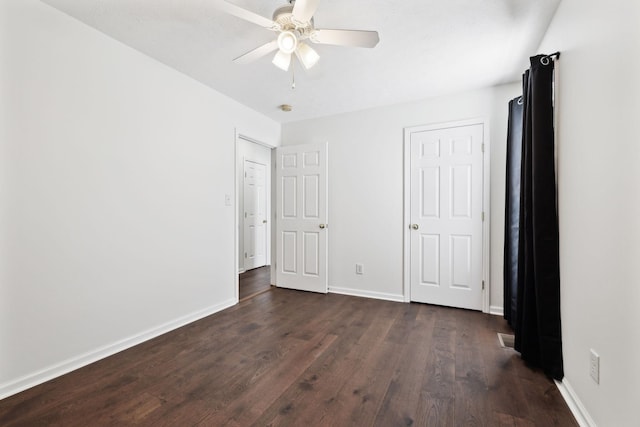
(253, 166)
(254, 282)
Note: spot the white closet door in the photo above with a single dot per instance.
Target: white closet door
(255, 215)
(446, 216)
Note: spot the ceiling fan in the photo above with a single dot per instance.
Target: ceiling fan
(294, 25)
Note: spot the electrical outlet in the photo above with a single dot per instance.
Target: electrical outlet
(359, 269)
(594, 366)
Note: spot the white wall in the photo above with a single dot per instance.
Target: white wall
(114, 175)
(366, 185)
(599, 203)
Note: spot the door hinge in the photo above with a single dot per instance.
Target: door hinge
(245, 255)
(245, 174)
(245, 215)
(482, 147)
(483, 285)
(482, 216)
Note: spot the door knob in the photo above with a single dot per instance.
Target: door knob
(264, 221)
(323, 226)
(415, 226)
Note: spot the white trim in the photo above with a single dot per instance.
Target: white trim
(253, 140)
(242, 270)
(366, 294)
(273, 271)
(486, 201)
(66, 366)
(496, 310)
(486, 226)
(575, 404)
(236, 224)
(406, 255)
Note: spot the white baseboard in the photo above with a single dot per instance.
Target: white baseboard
(575, 405)
(366, 294)
(496, 310)
(31, 380)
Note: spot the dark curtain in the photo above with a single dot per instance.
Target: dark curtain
(537, 316)
(512, 209)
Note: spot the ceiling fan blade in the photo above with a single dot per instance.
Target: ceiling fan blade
(245, 14)
(257, 53)
(306, 55)
(355, 38)
(303, 10)
(282, 60)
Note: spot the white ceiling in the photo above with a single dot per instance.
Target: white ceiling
(427, 48)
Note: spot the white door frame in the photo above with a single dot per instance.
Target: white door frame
(239, 136)
(486, 204)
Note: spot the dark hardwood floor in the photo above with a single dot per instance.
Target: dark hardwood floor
(254, 282)
(300, 359)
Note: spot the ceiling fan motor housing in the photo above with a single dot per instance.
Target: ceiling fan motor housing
(283, 16)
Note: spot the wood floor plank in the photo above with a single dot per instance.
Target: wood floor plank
(505, 394)
(403, 395)
(257, 395)
(358, 400)
(471, 405)
(544, 393)
(504, 420)
(440, 412)
(254, 282)
(295, 358)
(315, 392)
(439, 383)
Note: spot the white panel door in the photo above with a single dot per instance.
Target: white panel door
(446, 191)
(255, 215)
(301, 217)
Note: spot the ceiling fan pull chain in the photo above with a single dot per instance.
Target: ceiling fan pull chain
(293, 76)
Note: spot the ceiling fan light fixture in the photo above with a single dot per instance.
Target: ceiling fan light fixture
(282, 60)
(307, 55)
(294, 24)
(287, 42)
